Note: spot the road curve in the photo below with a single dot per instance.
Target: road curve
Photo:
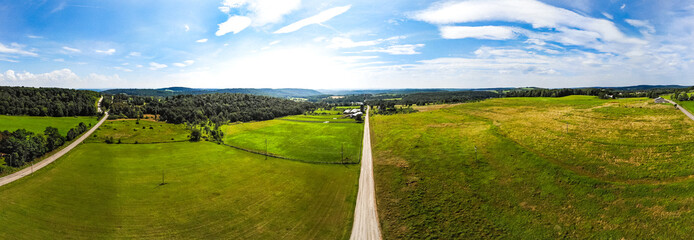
(365, 216)
(681, 109)
(26, 171)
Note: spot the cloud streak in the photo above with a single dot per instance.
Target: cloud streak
(319, 18)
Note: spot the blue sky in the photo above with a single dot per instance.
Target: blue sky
(346, 44)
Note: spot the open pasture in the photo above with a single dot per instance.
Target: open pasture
(178, 191)
(536, 168)
(143, 131)
(309, 141)
(39, 124)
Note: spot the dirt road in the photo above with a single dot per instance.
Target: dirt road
(365, 216)
(682, 109)
(21, 173)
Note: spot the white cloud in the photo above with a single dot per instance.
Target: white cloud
(186, 27)
(34, 36)
(156, 66)
(274, 42)
(204, 40)
(107, 52)
(16, 49)
(607, 15)
(135, 54)
(123, 69)
(262, 12)
(482, 32)
(642, 24)
(75, 50)
(59, 60)
(234, 24)
(341, 42)
(536, 13)
(316, 19)
(184, 63)
(623, 6)
(405, 49)
(256, 12)
(58, 78)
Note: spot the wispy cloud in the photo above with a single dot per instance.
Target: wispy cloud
(156, 66)
(107, 52)
(135, 54)
(184, 63)
(482, 32)
(16, 49)
(74, 50)
(256, 13)
(319, 18)
(405, 49)
(34, 36)
(642, 24)
(548, 23)
(123, 69)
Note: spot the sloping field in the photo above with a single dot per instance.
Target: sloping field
(208, 191)
(536, 168)
(309, 141)
(143, 131)
(39, 124)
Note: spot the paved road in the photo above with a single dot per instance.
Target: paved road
(29, 170)
(365, 216)
(682, 109)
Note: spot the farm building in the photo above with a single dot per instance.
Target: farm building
(660, 100)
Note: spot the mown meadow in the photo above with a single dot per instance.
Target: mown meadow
(177, 190)
(535, 168)
(39, 124)
(306, 138)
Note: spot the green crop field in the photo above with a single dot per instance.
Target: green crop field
(309, 141)
(536, 168)
(143, 131)
(333, 118)
(211, 191)
(39, 124)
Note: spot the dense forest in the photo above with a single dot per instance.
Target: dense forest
(599, 92)
(217, 107)
(22, 146)
(54, 102)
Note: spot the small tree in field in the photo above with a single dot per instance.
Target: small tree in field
(195, 135)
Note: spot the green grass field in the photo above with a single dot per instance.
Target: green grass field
(309, 141)
(572, 167)
(129, 131)
(333, 118)
(106, 191)
(39, 124)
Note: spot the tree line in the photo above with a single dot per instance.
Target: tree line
(219, 108)
(603, 93)
(53, 102)
(22, 146)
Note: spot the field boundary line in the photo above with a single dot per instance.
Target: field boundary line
(287, 158)
(29, 170)
(293, 120)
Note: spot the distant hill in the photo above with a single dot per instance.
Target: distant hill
(172, 91)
